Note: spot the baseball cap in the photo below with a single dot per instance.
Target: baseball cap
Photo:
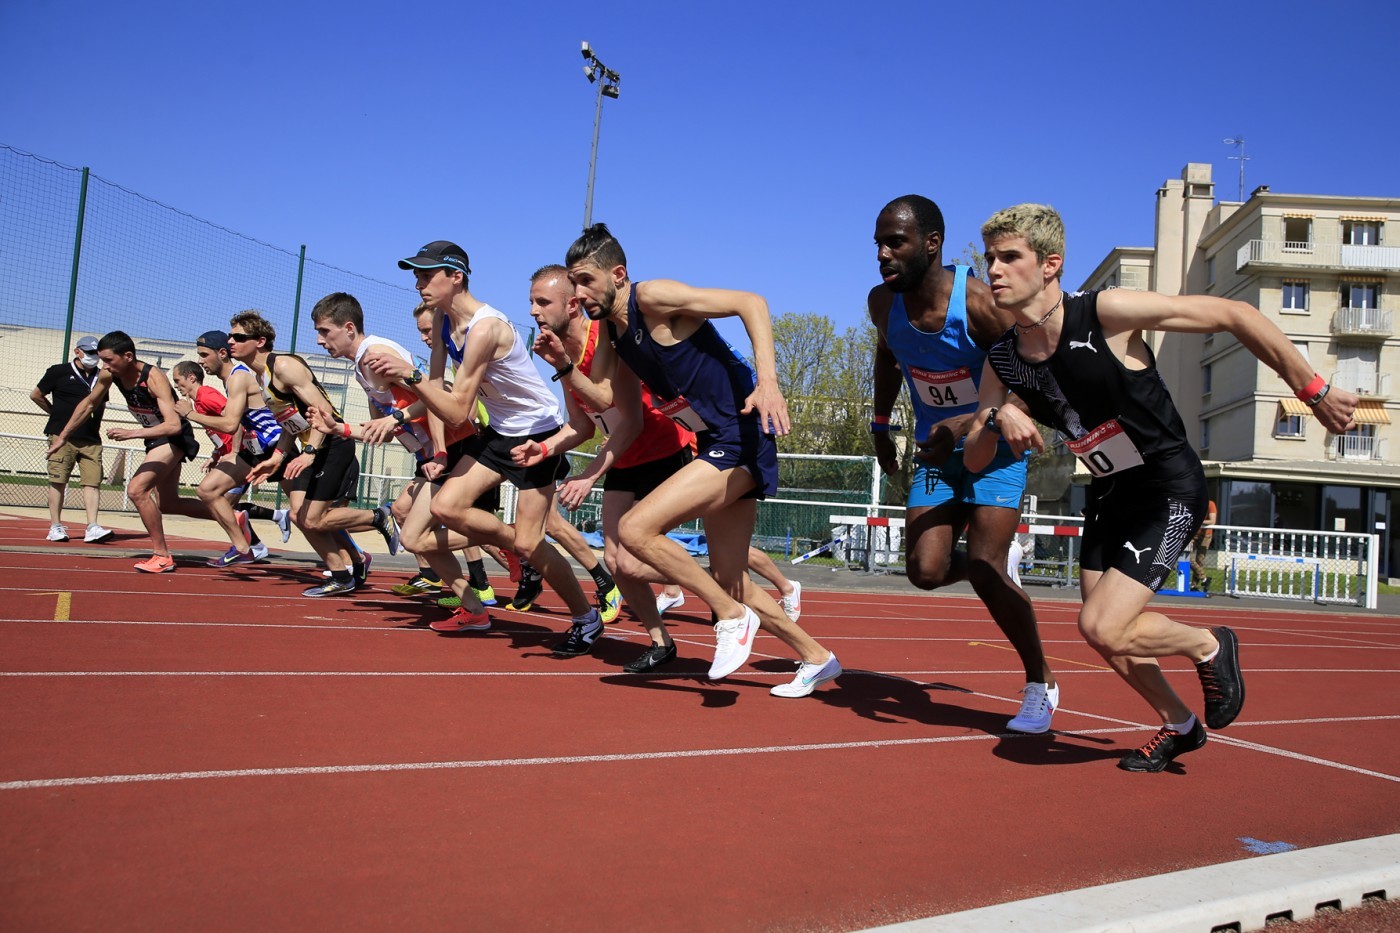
(212, 340)
(88, 347)
(439, 254)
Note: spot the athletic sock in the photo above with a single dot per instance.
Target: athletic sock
(260, 512)
(476, 575)
(342, 576)
(1181, 728)
(602, 578)
(253, 539)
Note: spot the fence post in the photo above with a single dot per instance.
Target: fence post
(296, 302)
(73, 277)
(874, 486)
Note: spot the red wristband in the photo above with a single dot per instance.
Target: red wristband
(544, 449)
(1309, 391)
(346, 428)
(879, 419)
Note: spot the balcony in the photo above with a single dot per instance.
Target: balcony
(1369, 384)
(1362, 322)
(1354, 447)
(1289, 254)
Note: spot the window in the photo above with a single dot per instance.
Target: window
(1361, 295)
(1297, 233)
(1210, 270)
(1288, 425)
(1361, 232)
(1205, 434)
(1295, 296)
(1357, 444)
(1205, 379)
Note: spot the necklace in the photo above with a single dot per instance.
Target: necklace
(1025, 327)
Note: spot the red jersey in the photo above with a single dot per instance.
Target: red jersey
(660, 437)
(210, 401)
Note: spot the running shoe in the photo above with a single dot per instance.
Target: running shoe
(809, 677)
(512, 565)
(487, 596)
(666, 603)
(609, 604)
(651, 659)
(282, 518)
(792, 605)
(1162, 748)
(462, 621)
(231, 557)
(58, 533)
(733, 642)
(1222, 682)
(451, 602)
(157, 563)
(1038, 704)
(96, 533)
(529, 591)
(583, 635)
(260, 552)
(420, 584)
(384, 523)
(360, 571)
(332, 587)
(241, 518)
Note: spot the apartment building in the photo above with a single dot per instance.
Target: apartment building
(1322, 269)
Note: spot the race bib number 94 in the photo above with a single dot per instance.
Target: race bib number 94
(679, 411)
(946, 389)
(1105, 450)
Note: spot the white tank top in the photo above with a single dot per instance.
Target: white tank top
(512, 389)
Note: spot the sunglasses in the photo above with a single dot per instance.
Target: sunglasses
(241, 338)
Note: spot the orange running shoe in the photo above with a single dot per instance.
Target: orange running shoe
(157, 563)
(462, 621)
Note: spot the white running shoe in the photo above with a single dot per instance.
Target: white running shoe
(283, 519)
(96, 532)
(1013, 562)
(58, 533)
(1037, 707)
(260, 551)
(733, 642)
(665, 604)
(809, 677)
(792, 605)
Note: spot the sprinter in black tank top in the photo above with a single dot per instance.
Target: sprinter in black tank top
(169, 441)
(1081, 365)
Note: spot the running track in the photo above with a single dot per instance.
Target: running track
(208, 748)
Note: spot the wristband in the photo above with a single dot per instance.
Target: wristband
(1310, 392)
(880, 419)
(992, 421)
(1322, 394)
(544, 449)
(345, 428)
(440, 455)
(883, 427)
(413, 378)
(561, 373)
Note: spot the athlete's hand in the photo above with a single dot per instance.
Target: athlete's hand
(1019, 431)
(384, 363)
(1336, 410)
(323, 421)
(121, 434)
(262, 471)
(885, 452)
(54, 444)
(297, 465)
(573, 491)
(768, 399)
(550, 348)
(433, 469)
(528, 454)
(379, 430)
(183, 407)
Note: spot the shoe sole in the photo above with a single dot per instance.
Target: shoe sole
(459, 628)
(170, 569)
(812, 688)
(1022, 730)
(98, 540)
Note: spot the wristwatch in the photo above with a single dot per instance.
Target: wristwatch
(991, 423)
(309, 449)
(413, 378)
(398, 415)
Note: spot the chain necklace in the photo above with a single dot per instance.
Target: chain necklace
(1027, 327)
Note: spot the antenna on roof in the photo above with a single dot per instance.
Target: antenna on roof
(1238, 143)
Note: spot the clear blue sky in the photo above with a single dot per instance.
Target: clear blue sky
(751, 148)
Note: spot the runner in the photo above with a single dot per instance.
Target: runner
(169, 441)
(661, 330)
(933, 326)
(68, 384)
(491, 365)
(323, 473)
(644, 447)
(245, 411)
(1080, 363)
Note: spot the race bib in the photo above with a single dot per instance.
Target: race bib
(679, 411)
(252, 444)
(292, 422)
(600, 418)
(1105, 450)
(944, 390)
(146, 418)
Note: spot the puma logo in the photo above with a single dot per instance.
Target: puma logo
(1137, 552)
(1084, 344)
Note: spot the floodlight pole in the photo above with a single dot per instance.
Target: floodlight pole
(608, 82)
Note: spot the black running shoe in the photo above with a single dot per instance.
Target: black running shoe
(651, 659)
(582, 636)
(1221, 680)
(361, 570)
(331, 587)
(1162, 748)
(529, 591)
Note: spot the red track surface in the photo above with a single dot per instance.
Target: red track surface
(423, 780)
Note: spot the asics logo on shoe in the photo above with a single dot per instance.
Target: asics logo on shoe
(1137, 552)
(1083, 345)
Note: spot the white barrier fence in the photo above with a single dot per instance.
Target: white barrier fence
(1311, 566)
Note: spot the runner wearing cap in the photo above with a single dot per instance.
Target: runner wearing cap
(169, 441)
(492, 366)
(662, 331)
(68, 384)
(246, 413)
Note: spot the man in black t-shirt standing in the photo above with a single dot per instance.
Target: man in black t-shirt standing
(59, 391)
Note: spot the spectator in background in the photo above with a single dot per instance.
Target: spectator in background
(59, 391)
(1200, 547)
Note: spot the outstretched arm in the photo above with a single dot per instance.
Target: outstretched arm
(80, 414)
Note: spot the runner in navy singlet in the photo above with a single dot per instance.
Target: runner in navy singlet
(932, 327)
(1080, 364)
(169, 441)
(661, 330)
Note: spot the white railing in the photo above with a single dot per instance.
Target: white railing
(1316, 566)
(1354, 447)
(1361, 321)
(1363, 383)
(1287, 252)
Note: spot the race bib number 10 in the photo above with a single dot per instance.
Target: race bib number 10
(679, 411)
(1105, 450)
(944, 390)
